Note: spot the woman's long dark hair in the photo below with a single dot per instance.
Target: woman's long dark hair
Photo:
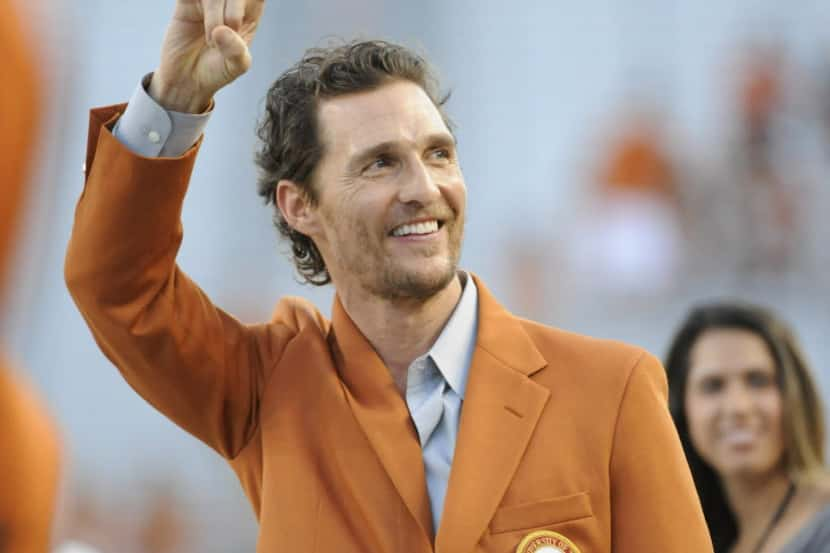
(802, 417)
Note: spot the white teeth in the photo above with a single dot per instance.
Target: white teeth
(738, 437)
(426, 227)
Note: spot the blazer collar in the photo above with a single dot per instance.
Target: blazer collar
(498, 417)
(382, 413)
(501, 334)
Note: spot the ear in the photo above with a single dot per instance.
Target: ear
(297, 208)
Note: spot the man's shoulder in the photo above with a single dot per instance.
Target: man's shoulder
(299, 314)
(563, 342)
(582, 358)
(568, 356)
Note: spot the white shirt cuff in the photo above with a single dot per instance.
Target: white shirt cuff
(149, 130)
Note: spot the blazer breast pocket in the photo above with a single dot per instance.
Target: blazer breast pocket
(537, 514)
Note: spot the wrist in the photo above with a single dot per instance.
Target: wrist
(175, 97)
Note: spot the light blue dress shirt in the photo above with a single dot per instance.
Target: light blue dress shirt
(435, 392)
(436, 381)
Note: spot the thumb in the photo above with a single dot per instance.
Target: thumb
(233, 50)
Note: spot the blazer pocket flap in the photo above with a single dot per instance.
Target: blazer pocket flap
(542, 513)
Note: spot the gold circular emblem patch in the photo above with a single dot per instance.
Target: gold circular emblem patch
(545, 541)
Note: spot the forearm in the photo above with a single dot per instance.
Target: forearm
(174, 347)
(128, 216)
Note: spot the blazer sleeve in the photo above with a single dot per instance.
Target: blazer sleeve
(195, 363)
(654, 503)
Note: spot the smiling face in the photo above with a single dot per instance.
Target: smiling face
(733, 403)
(391, 197)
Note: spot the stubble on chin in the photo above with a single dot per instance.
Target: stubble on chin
(398, 283)
(380, 276)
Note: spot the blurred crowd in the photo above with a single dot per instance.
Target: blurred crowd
(659, 214)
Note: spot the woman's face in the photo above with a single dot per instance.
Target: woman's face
(733, 403)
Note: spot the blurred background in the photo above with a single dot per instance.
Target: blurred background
(624, 160)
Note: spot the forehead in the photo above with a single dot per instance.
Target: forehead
(395, 112)
(730, 349)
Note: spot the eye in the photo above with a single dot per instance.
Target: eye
(759, 379)
(711, 385)
(441, 155)
(379, 164)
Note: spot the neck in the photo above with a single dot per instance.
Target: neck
(754, 499)
(401, 330)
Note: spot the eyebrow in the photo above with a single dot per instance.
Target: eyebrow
(706, 371)
(363, 156)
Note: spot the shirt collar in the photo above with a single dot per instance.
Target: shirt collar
(452, 352)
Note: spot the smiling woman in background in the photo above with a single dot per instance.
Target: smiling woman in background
(751, 422)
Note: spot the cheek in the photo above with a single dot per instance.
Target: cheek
(461, 194)
(701, 414)
(349, 211)
(455, 191)
(771, 406)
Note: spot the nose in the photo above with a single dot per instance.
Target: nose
(420, 184)
(738, 399)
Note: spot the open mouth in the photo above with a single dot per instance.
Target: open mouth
(417, 228)
(739, 438)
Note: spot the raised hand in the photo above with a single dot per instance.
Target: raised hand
(204, 49)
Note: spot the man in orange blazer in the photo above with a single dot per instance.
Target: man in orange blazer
(29, 454)
(423, 417)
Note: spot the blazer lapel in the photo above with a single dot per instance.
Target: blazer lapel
(382, 413)
(500, 411)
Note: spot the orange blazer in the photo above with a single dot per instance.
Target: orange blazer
(558, 431)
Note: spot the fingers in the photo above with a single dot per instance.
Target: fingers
(214, 15)
(254, 10)
(253, 13)
(231, 13)
(233, 49)
(234, 13)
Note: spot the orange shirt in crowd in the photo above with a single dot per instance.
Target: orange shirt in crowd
(28, 440)
(19, 117)
(29, 455)
(637, 163)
